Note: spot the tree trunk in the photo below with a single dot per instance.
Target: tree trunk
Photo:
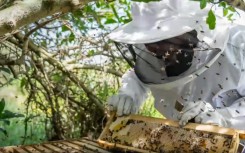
(28, 11)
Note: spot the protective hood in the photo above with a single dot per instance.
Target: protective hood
(151, 70)
(156, 21)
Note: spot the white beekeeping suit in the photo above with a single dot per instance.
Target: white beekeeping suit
(212, 89)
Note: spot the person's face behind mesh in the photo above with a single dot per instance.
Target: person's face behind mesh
(176, 52)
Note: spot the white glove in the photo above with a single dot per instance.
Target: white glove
(123, 104)
(130, 96)
(203, 113)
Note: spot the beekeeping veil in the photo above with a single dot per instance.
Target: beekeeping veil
(157, 21)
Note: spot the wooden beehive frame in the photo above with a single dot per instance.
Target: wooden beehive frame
(235, 134)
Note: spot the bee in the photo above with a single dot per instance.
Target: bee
(202, 31)
(214, 141)
(220, 86)
(213, 148)
(226, 143)
(209, 115)
(220, 96)
(179, 51)
(223, 103)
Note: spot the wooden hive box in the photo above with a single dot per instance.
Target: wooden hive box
(83, 145)
(136, 133)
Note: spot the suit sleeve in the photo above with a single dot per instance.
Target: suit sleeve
(235, 111)
(134, 88)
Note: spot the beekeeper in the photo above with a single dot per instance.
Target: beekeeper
(182, 61)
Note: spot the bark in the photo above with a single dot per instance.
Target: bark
(28, 11)
(237, 4)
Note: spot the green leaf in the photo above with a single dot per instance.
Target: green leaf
(63, 42)
(23, 82)
(211, 20)
(4, 131)
(91, 53)
(110, 21)
(64, 28)
(2, 105)
(123, 1)
(232, 9)
(223, 4)
(8, 115)
(127, 20)
(230, 17)
(57, 78)
(114, 11)
(71, 37)
(5, 70)
(203, 4)
(97, 4)
(225, 12)
(128, 14)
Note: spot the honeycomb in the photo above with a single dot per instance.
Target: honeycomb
(144, 134)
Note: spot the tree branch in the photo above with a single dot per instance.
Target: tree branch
(45, 55)
(28, 11)
(94, 67)
(237, 3)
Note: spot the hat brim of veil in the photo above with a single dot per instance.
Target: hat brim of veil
(159, 30)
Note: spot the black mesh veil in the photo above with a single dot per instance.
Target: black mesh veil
(128, 53)
(159, 64)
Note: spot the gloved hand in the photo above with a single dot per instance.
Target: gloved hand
(123, 104)
(203, 113)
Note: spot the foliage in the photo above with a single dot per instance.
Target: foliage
(228, 11)
(6, 115)
(67, 68)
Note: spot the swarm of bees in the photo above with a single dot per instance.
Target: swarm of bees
(154, 136)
